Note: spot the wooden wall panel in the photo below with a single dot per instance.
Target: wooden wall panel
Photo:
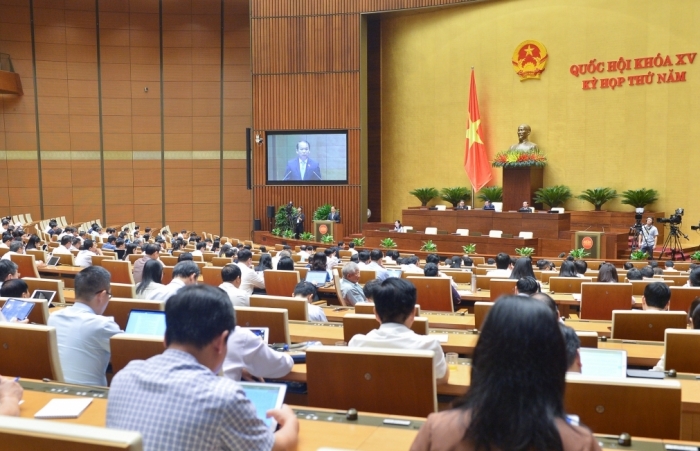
(284, 8)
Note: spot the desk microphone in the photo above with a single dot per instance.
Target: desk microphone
(285, 177)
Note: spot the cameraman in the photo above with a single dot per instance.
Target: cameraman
(647, 237)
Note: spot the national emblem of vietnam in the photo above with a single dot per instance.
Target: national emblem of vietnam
(529, 59)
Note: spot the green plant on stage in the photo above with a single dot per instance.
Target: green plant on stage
(695, 256)
(469, 249)
(455, 194)
(387, 243)
(639, 255)
(306, 236)
(429, 246)
(598, 196)
(282, 221)
(424, 195)
(639, 198)
(579, 253)
(554, 196)
(322, 212)
(359, 241)
(525, 251)
(276, 231)
(491, 193)
(327, 239)
(288, 234)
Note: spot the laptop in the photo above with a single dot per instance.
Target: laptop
(44, 294)
(394, 272)
(120, 253)
(317, 277)
(603, 362)
(146, 322)
(53, 261)
(265, 397)
(16, 309)
(262, 332)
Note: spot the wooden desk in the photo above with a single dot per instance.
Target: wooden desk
(449, 243)
(37, 394)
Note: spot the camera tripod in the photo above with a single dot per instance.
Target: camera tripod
(673, 242)
(634, 232)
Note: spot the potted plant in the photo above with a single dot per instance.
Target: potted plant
(276, 231)
(429, 246)
(639, 255)
(695, 256)
(455, 195)
(469, 249)
(639, 198)
(598, 196)
(387, 243)
(579, 253)
(424, 195)
(491, 193)
(554, 196)
(306, 236)
(322, 212)
(359, 241)
(525, 251)
(327, 239)
(289, 234)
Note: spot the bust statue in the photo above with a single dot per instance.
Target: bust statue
(523, 144)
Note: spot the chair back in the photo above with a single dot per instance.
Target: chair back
(167, 274)
(645, 325)
(433, 293)
(65, 259)
(457, 276)
(546, 275)
(588, 339)
(134, 257)
(366, 275)
(336, 285)
(211, 275)
(614, 406)
(127, 347)
(220, 261)
(280, 283)
(38, 254)
(26, 265)
(365, 378)
(276, 319)
(169, 260)
(567, 284)
(40, 312)
(30, 434)
(297, 309)
(123, 290)
(357, 323)
(483, 281)
(119, 308)
(56, 285)
(501, 287)
(367, 308)
(682, 297)
(121, 271)
(599, 299)
(29, 351)
(481, 309)
(681, 350)
(638, 286)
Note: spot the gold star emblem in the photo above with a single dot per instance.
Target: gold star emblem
(473, 132)
(528, 50)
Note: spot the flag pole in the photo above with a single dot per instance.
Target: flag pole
(470, 180)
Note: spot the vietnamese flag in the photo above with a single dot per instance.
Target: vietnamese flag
(476, 161)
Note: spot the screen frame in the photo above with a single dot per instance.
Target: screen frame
(269, 133)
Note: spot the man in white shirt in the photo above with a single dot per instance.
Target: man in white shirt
(394, 306)
(250, 279)
(503, 266)
(363, 257)
(247, 352)
(6, 240)
(83, 333)
(411, 265)
(16, 247)
(66, 244)
(231, 276)
(351, 248)
(201, 246)
(8, 271)
(306, 290)
(376, 256)
(276, 259)
(350, 288)
(84, 258)
(303, 253)
(185, 273)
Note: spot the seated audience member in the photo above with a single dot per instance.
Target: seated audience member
(332, 259)
(370, 288)
(351, 248)
(581, 267)
(390, 257)
(488, 205)
(150, 252)
(184, 273)
(15, 288)
(6, 240)
(34, 242)
(567, 269)
(318, 264)
(394, 306)
(231, 277)
(503, 266)
(10, 396)
(669, 266)
(657, 271)
(456, 263)
(195, 408)
(83, 333)
(303, 253)
(8, 271)
(110, 244)
(522, 268)
(572, 343)
(607, 273)
(627, 266)
(376, 264)
(647, 272)
(549, 302)
(490, 261)
(185, 256)
(250, 279)
(87, 251)
(527, 286)
(656, 296)
(467, 262)
(363, 257)
(248, 357)
(411, 265)
(285, 264)
(693, 278)
(307, 290)
(431, 270)
(350, 287)
(151, 286)
(525, 208)
(634, 274)
(16, 248)
(264, 263)
(280, 255)
(503, 410)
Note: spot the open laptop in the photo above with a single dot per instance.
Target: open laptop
(120, 253)
(394, 272)
(265, 397)
(262, 332)
(53, 261)
(146, 322)
(317, 277)
(603, 362)
(44, 294)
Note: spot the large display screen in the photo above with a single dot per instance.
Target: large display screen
(307, 157)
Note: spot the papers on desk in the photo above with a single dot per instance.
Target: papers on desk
(442, 338)
(577, 296)
(63, 408)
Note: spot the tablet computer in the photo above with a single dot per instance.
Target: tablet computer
(265, 397)
(146, 322)
(16, 309)
(603, 362)
(53, 261)
(394, 272)
(44, 294)
(262, 332)
(317, 277)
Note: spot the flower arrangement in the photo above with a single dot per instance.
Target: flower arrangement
(517, 159)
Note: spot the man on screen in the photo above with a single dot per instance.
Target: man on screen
(302, 167)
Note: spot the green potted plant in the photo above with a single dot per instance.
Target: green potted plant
(469, 249)
(387, 243)
(276, 231)
(359, 241)
(525, 251)
(289, 234)
(455, 194)
(579, 253)
(322, 212)
(424, 195)
(554, 196)
(491, 193)
(695, 256)
(327, 239)
(598, 196)
(306, 236)
(429, 246)
(639, 198)
(639, 255)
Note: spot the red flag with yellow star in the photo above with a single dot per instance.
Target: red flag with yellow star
(476, 161)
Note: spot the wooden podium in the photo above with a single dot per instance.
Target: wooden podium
(519, 185)
(590, 241)
(326, 227)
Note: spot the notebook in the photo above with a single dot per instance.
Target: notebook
(63, 408)
(603, 362)
(146, 322)
(265, 397)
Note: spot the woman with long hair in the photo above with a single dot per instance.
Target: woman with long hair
(567, 269)
(264, 263)
(319, 263)
(522, 268)
(516, 398)
(32, 242)
(607, 273)
(150, 285)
